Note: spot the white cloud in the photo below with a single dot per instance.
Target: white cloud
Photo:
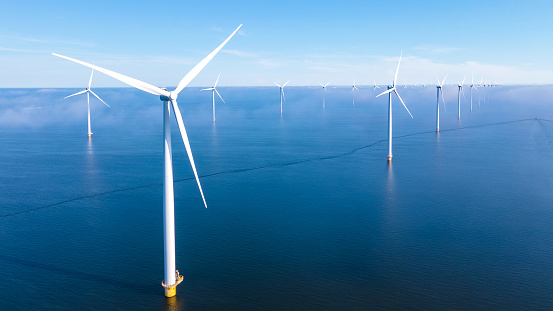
(16, 50)
(238, 53)
(268, 63)
(434, 49)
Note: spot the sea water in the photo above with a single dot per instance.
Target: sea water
(304, 212)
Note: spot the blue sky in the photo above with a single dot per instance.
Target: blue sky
(304, 41)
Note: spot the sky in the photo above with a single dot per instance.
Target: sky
(307, 42)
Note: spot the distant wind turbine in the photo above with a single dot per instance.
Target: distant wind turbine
(389, 92)
(172, 277)
(88, 91)
(282, 98)
(375, 86)
(460, 86)
(472, 86)
(439, 89)
(480, 86)
(324, 92)
(353, 88)
(213, 91)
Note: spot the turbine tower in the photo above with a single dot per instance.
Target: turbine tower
(353, 92)
(213, 91)
(282, 98)
(88, 91)
(389, 92)
(172, 277)
(439, 89)
(324, 92)
(472, 86)
(460, 86)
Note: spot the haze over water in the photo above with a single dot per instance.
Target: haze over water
(304, 213)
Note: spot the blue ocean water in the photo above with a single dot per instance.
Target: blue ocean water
(304, 213)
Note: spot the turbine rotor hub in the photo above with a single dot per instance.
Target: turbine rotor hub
(172, 96)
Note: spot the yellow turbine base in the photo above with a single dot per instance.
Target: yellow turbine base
(438, 129)
(389, 158)
(89, 134)
(171, 290)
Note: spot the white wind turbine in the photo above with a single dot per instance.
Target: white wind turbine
(172, 277)
(439, 89)
(213, 91)
(472, 86)
(480, 86)
(353, 88)
(389, 92)
(282, 98)
(375, 86)
(324, 92)
(88, 91)
(460, 86)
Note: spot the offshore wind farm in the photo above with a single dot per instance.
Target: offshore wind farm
(307, 210)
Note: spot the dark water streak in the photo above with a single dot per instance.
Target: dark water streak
(235, 171)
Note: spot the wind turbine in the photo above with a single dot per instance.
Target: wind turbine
(282, 98)
(460, 86)
(324, 92)
(353, 88)
(88, 91)
(375, 86)
(472, 86)
(172, 277)
(213, 91)
(439, 89)
(389, 92)
(480, 86)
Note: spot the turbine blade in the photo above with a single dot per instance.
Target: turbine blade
(125, 79)
(386, 92)
(464, 80)
(208, 89)
(219, 95)
(90, 81)
(99, 98)
(444, 80)
(75, 94)
(196, 70)
(217, 80)
(283, 98)
(285, 83)
(178, 116)
(277, 84)
(403, 103)
(321, 84)
(327, 84)
(397, 70)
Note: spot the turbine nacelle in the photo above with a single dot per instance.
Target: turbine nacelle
(172, 96)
